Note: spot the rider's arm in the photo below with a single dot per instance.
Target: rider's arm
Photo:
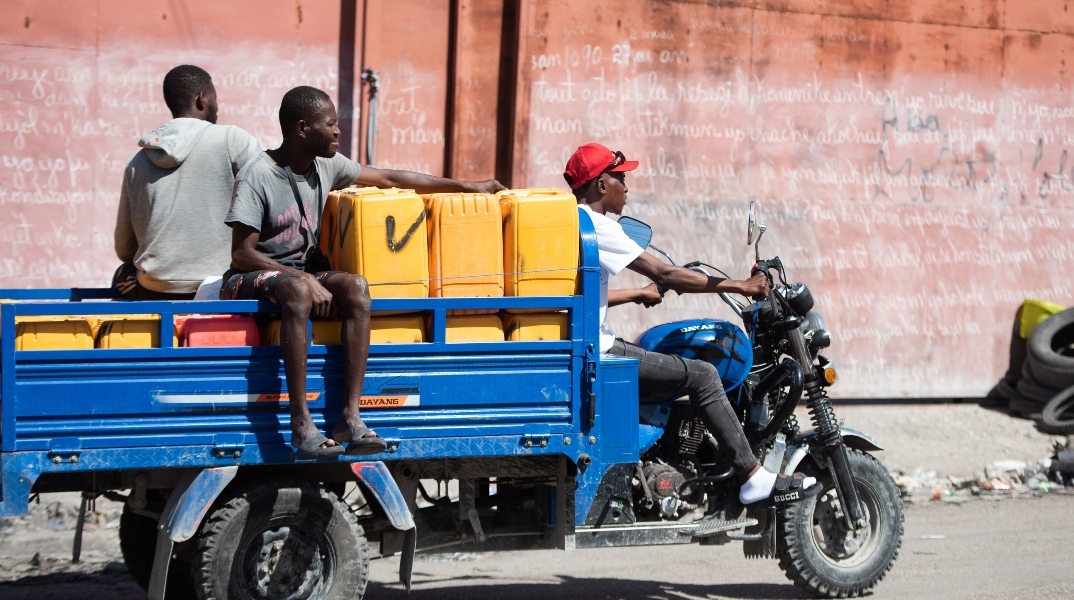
(648, 295)
(686, 281)
(422, 183)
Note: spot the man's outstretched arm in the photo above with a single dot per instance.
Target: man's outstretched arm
(422, 183)
(692, 282)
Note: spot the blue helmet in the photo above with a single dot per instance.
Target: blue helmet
(720, 343)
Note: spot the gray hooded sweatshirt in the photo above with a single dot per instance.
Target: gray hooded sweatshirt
(176, 192)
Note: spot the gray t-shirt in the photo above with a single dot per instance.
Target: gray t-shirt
(263, 200)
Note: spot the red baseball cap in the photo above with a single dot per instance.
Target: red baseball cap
(591, 160)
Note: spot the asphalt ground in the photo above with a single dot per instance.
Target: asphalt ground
(982, 548)
(1010, 548)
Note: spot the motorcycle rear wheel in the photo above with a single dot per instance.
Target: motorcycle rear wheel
(820, 557)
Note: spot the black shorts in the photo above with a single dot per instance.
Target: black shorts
(257, 285)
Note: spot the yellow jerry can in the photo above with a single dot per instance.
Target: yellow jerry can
(540, 242)
(128, 332)
(381, 235)
(53, 333)
(396, 329)
(474, 328)
(465, 245)
(536, 326)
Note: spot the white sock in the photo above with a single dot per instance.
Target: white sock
(757, 487)
(760, 485)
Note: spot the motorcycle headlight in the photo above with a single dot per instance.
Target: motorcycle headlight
(812, 322)
(814, 332)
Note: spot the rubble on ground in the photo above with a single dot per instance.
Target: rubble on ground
(60, 513)
(1000, 479)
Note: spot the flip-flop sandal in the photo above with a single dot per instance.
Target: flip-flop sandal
(788, 490)
(361, 445)
(311, 448)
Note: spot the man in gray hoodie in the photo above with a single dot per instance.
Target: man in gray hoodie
(170, 231)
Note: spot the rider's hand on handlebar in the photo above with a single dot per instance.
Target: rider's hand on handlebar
(756, 287)
(650, 295)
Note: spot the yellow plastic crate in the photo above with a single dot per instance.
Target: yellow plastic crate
(536, 326)
(474, 328)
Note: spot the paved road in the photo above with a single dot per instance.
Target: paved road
(988, 549)
(981, 549)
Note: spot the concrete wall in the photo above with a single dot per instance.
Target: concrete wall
(910, 158)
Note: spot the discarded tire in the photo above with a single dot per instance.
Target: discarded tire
(1026, 408)
(1058, 414)
(1050, 355)
(1033, 391)
(1003, 392)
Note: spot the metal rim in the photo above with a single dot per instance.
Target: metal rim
(840, 548)
(285, 560)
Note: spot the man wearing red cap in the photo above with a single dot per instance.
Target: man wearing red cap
(597, 177)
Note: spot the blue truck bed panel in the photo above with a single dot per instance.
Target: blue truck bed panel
(77, 411)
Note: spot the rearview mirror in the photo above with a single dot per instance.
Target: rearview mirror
(637, 231)
(751, 230)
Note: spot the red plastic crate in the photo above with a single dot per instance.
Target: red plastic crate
(219, 331)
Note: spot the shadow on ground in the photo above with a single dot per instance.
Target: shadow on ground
(101, 585)
(107, 586)
(575, 588)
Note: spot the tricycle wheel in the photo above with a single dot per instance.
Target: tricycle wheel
(817, 551)
(281, 539)
(138, 542)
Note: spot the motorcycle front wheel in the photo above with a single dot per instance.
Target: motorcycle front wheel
(817, 552)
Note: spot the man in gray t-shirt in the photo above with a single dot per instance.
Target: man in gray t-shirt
(264, 200)
(275, 223)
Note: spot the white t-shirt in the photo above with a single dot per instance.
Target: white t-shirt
(616, 251)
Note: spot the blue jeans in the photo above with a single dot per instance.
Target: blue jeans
(662, 376)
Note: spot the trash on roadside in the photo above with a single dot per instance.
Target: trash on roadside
(1000, 479)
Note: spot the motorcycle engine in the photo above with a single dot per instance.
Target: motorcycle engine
(672, 463)
(664, 482)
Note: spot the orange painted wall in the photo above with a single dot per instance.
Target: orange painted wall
(80, 82)
(911, 159)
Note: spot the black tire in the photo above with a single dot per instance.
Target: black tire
(1058, 414)
(248, 546)
(1034, 392)
(831, 571)
(138, 543)
(1051, 351)
(1028, 409)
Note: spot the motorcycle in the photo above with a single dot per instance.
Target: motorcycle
(839, 543)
